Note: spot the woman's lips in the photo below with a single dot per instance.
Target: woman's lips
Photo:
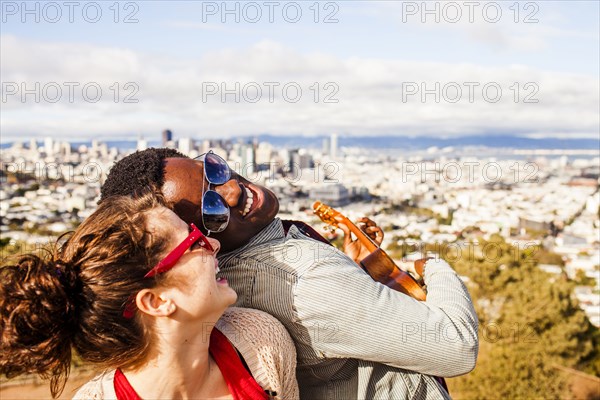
(222, 281)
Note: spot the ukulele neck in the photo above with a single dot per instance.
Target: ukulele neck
(361, 236)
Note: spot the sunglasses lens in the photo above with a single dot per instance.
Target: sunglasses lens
(216, 169)
(215, 213)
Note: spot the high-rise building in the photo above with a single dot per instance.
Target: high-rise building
(292, 161)
(185, 146)
(263, 153)
(167, 136)
(205, 146)
(49, 146)
(247, 158)
(334, 145)
(103, 149)
(299, 159)
(65, 149)
(325, 149)
(142, 144)
(305, 160)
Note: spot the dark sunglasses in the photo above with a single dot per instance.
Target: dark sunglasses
(170, 261)
(215, 210)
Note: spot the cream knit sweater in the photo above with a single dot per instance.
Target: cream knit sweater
(264, 343)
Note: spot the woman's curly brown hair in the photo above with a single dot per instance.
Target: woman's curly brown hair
(74, 296)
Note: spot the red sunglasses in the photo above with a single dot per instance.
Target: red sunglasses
(171, 260)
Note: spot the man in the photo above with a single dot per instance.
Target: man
(355, 338)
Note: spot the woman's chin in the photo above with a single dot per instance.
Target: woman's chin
(231, 296)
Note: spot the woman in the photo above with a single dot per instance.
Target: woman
(134, 291)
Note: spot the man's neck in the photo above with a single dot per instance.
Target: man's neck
(260, 237)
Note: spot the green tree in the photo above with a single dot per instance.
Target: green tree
(582, 279)
(530, 323)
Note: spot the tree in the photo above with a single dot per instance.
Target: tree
(530, 323)
(582, 279)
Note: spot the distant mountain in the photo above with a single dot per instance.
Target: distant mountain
(400, 142)
(424, 142)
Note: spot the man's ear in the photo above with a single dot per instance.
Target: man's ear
(154, 303)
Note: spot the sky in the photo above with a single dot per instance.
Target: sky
(120, 70)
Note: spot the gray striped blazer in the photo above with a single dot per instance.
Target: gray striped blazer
(355, 338)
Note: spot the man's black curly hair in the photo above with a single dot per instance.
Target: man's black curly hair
(138, 173)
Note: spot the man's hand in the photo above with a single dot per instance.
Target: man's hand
(415, 268)
(354, 248)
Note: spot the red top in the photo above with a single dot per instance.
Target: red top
(239, 381)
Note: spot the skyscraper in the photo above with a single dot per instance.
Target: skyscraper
(185, 146)
(167, 136)
(325, 148)
(49, 146)
(334, 144)
(142, 144)
(247, 157)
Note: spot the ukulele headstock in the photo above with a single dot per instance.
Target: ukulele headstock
(326, 213)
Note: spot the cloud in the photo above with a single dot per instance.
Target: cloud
(192, 25)
(354, 96)
(502, 26)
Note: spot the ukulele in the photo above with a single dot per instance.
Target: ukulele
(377, 264)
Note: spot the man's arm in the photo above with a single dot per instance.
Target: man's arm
(348, 315)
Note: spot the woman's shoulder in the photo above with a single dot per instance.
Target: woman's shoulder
(266, 346)
(250, 320)
(246, 327)
(101, 387)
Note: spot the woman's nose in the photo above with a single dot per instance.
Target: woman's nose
(230, 191)
(216, 245)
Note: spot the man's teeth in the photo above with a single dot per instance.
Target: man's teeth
(249, 200)
(217, 270)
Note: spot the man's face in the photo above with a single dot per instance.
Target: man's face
(184, 180)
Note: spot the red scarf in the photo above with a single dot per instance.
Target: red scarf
(239, 381)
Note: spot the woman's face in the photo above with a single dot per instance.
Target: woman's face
(192, 283)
